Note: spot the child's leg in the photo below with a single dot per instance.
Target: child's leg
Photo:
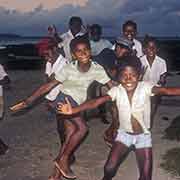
(116, 156)
(70, 145)
(144, 159)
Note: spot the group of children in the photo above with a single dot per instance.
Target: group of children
(136, 79)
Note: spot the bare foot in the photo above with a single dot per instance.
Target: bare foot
(55, 175)
(64, 169)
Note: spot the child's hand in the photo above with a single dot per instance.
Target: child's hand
(64, 108)
(19, 106)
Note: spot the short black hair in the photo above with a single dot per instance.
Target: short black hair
(132, 61)
(75, 19)
(148, 39)
(129, 23)
(78, 40)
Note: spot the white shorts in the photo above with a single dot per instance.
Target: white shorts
(139, 141)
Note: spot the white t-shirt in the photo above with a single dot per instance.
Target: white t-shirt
(98, 46)
(53, 68)
(138, 47)
(139, 109)
(75, 83)
(2, 75)
(153, 73)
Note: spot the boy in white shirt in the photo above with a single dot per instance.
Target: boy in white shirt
(155, 69)
(4, 80)
(129, 29)
(54, 63)
(97, 42)
(133, 101)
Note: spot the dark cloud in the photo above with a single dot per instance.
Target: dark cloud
(160, 17)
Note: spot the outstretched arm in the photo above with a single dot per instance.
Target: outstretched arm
(42, 90)
(91, 104)
(166, 91)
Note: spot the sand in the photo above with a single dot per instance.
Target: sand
(34, 142)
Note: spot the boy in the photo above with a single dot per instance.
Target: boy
(75, 78)
(155, 69)
(133, 101)
(129, 29)
(4, 81)
(97, 42)
(54, 63)
(75, 29)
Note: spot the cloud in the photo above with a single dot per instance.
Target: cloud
(28, 6)
(153, 18)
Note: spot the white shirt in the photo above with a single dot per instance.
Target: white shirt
(53, 68)
(75, 83)
(139, 109)
(98, 46)
(67, 37)
(138, 47)
(153, 73)
(2, 75)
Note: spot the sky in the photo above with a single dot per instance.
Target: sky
(32, 17)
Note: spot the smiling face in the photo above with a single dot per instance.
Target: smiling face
(151, 50)
(129, 32)
(129, 78)
(82, 53)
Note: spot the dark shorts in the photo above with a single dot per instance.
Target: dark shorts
(61, 99)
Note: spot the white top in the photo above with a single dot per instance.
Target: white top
(153, 73)
(67, 37)
(138, 47)
(75, 83)
(98, 46)
(139, 109)
(53, 68)
(2, 75)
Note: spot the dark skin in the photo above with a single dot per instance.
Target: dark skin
(75, 130)
(129, 80)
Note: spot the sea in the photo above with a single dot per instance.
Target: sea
(21, 50)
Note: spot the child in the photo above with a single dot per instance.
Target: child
(97, 42)
(133, 101)
(75, 78)
(4, 81)
(129, 29)
(155, 69)
(54, 63)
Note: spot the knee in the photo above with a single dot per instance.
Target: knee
(83, 129)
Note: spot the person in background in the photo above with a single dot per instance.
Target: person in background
(75, 78)
(97, 42)
(155, 69)
(132, 97)
(4, 82)
(54, 63)
(75, 29)
(129, 30)
(110, 59)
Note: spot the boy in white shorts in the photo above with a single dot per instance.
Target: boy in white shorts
(132, 98)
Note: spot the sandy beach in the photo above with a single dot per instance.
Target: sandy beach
(34, 142)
